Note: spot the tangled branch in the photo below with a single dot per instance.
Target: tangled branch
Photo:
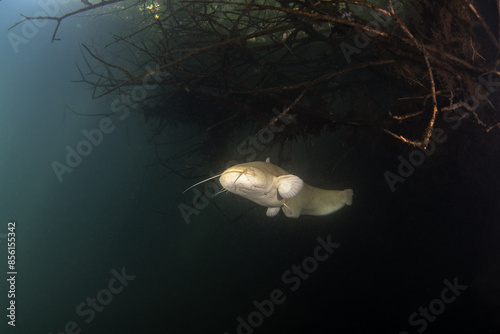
(59, 19)
(232, 62)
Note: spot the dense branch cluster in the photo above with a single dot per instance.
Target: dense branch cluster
(388, 66)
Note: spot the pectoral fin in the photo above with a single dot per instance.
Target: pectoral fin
(289, 185)
(271, 212)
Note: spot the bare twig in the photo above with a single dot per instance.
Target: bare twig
(59, 19)
(430, 127)
(484, 24)
(128, 74)
(284, 112)
(402, 118)
(493, 127)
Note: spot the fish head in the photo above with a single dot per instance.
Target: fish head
(246, 180)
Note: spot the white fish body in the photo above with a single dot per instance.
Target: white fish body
(270, 186)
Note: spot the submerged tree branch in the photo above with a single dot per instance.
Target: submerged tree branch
(59, 19)
(230, 62)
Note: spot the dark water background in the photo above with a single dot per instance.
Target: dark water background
(114, 213)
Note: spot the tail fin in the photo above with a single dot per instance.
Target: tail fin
(348, 193)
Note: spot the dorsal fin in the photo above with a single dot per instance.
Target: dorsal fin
(268, 160)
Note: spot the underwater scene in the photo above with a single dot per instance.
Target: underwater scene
(250, 166)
